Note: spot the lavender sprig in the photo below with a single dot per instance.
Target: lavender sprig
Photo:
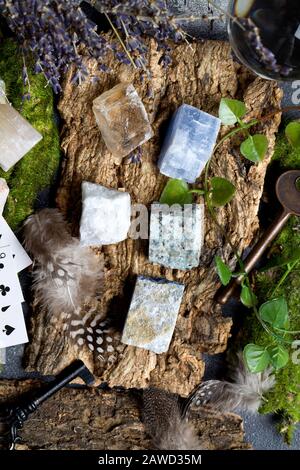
(264, 55)
(53, 31)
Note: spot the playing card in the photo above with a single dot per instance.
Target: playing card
(7, 237)
(12, 327)
(10, 289)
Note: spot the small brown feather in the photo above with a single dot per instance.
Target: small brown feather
(164, 423)
(245, 392)
(66, 274)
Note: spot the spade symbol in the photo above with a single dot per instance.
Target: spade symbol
(8, 330)
(1, 265)
(3, 309)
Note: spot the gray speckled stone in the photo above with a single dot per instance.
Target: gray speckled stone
(152, 315)
(176, 235)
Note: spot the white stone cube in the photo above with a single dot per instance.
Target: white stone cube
(105, 218)
(4, 191)
(17, 136)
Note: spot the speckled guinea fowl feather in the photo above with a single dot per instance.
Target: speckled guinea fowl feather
(66, 276)
(164, 423)
(245, 392)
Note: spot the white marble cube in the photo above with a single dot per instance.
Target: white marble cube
(17, 136)
(105, 218)
(153, 313)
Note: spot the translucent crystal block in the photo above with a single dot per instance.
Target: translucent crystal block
(153, 313)
(176, 235)
(189, 143)
(17, 136)
(105, 218)
(122, 119)
(4, 191)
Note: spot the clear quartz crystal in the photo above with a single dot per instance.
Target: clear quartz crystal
(176, 235)
(153, 313)
(189, 143)
(122, 119)
(17, 136)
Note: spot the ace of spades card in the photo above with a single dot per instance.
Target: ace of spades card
(12, 324)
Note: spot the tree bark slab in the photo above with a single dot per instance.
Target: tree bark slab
(94, 419)
(200, 75)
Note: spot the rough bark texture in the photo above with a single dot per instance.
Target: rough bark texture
(108, 420)
(201, 75)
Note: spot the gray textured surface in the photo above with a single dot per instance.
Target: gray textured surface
(176, 235)
(260, 430)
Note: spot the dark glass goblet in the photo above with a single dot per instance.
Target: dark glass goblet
(265, 36)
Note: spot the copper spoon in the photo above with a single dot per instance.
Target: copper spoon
(288, 194)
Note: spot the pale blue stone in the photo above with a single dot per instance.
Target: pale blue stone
(189, 143)
(176, 235)
(153, 313)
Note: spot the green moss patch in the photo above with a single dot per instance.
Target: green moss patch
(36, 171)
(285, 396)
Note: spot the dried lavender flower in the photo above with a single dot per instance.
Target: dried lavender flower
(264, 55)
(53, 30)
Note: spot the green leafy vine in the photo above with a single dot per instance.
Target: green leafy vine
(273, 315)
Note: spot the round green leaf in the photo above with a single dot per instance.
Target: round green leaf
(279, 356)
(223, 271)
(248, 298)
(292, 132)
(176, 192)
(222, 191)
(256, 357)
(276, 313)
(255, 148)
(231, 110)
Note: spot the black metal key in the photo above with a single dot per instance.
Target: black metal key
(12, 417)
